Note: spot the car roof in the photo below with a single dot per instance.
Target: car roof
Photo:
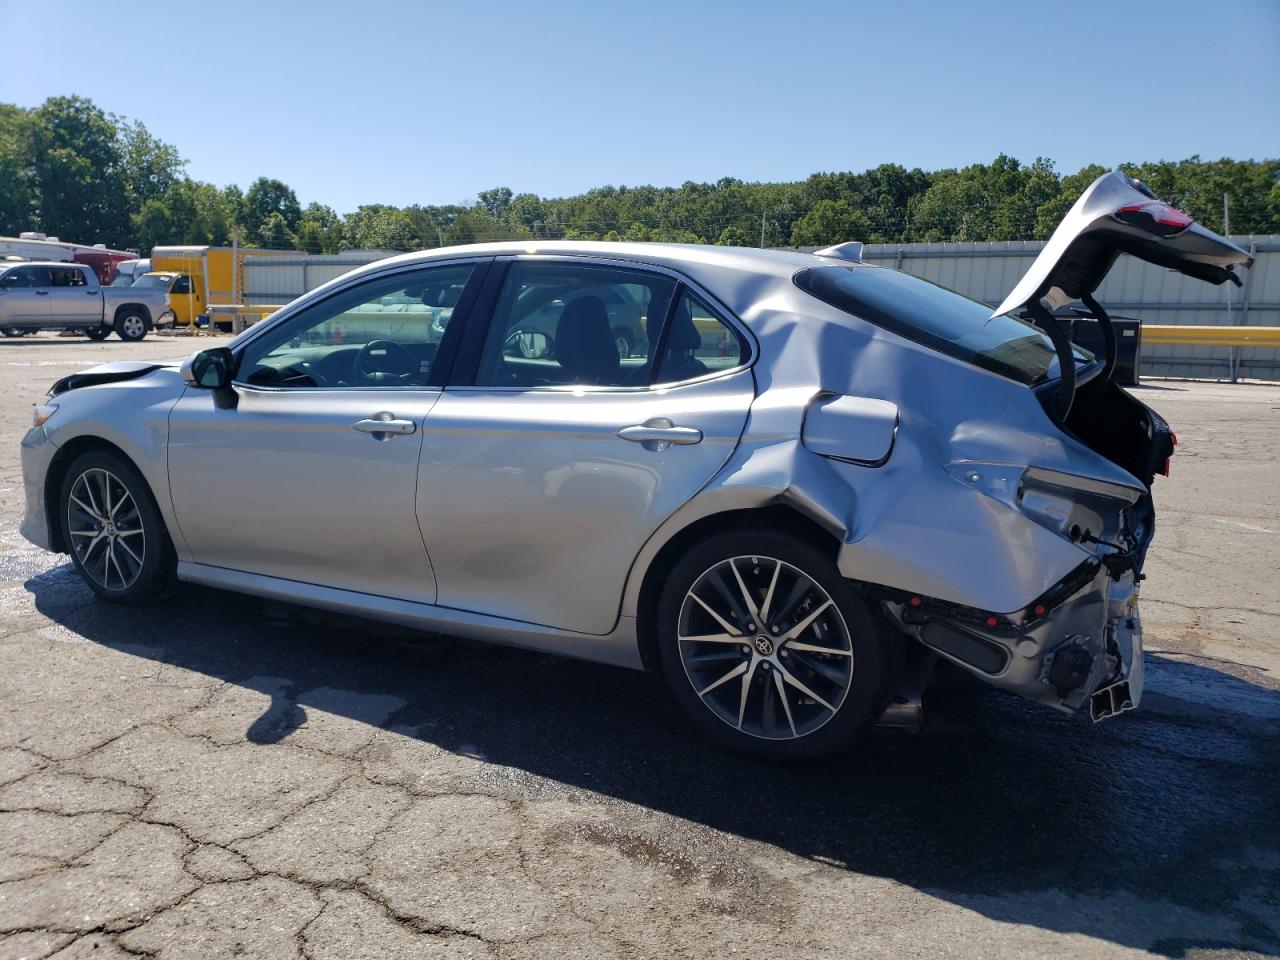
(43, 263)
(724, 270)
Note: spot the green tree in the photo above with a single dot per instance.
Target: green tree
(274, 233)
(830, 221)
(78, 171)
(153, 226)
(266, 197)
(17, 178)
(495, 201)
(310, 237)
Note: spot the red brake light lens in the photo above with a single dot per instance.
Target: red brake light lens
(1155, 217)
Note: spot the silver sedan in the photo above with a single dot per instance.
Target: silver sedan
(808, 482)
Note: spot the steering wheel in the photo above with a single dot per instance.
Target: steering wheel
(384, 361)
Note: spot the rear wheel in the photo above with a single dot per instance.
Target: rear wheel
(97, 333)
(113, 529)
(131, 325)
(14, 331)
(768, 648)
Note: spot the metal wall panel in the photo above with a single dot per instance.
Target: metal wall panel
(277, 280)
(988, 271)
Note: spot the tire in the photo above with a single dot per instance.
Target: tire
(12, 331)
(113, 565)
(844, 691)
(131, 325)
(97, 333)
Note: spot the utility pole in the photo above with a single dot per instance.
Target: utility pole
(763, 214)
(1226, 232)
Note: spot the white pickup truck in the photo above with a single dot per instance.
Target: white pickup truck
(67, 296)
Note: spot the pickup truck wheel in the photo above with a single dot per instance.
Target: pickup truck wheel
(131, 325)
(97, 333)
(13, 332)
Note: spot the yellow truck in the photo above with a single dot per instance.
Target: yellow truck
(200, 277)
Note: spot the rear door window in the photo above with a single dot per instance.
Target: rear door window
(559, 324)
(697, 343)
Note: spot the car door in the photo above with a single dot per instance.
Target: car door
(554, 459)
(75, 300)
(24, 296)
(311, 475)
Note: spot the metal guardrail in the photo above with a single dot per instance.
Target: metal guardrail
(1211, 336)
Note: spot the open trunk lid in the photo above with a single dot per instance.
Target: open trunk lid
(1116, 215)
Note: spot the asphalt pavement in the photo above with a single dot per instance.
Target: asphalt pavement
(219, 776)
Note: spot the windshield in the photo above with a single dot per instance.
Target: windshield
(938, 318)
(161, 280)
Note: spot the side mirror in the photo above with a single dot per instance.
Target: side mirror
(211, 369)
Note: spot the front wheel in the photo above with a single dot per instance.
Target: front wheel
(768, 649)
(131, 326)
(113, 529)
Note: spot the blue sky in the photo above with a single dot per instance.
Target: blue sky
(424, 102)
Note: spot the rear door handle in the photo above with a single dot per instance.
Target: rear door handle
(658, 433)
(42, 293)
(385, 425)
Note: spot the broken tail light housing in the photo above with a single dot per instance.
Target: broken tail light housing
(1154, 217)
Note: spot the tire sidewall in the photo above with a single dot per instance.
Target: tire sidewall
(157, 563)
(866, 698)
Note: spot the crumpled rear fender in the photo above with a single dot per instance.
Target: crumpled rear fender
(906, 524)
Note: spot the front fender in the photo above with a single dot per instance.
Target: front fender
(133, 415)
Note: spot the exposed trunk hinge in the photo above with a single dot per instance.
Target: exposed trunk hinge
(1061, 337)
(1108, 336)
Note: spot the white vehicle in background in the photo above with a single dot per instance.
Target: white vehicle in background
(68, 296)
(128, 272)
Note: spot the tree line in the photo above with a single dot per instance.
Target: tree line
(70, 169)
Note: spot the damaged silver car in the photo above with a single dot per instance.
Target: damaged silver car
(805, 483)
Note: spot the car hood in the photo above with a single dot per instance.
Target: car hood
(112, 372)
(1116, 215)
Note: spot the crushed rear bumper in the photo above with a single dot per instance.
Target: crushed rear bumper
(1080, 649)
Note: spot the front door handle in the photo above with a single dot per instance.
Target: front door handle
(658, 433)
(42, 293)
(384, 425)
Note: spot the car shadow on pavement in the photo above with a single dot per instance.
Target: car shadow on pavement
(1000, 806)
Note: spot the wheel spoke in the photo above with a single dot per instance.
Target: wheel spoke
(768, 594)
(813, 648)
(715, 638)
(746, 690)
(735, 672)
(786, 704)
(87, 509)
(827, 671)
(799, 590)
(804, 624)
(746, 594)
(129, 550)
(729, 628)
(790, 678)
(123, 497)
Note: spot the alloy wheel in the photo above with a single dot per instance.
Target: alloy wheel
(106, 529)
(765, 648)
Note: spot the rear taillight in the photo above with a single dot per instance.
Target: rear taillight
(1155, 217)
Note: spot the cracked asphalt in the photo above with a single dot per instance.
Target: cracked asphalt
(218, 776)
